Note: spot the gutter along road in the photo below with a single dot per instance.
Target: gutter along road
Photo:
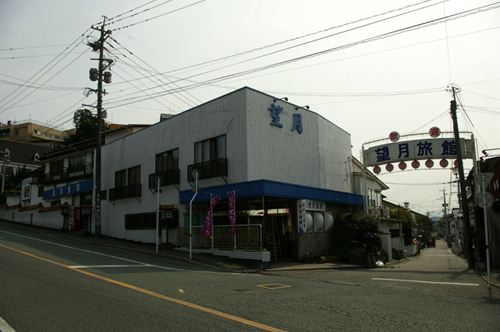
(50, 281)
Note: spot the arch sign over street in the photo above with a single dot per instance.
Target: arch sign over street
(437, 146)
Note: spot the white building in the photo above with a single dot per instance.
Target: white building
(286, 164)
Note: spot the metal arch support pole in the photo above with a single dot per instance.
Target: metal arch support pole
(191, 215)
(364, 185)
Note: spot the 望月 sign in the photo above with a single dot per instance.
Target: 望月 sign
(422, 149)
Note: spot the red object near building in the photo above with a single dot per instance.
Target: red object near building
(415, 164)
(389, 167)
(377, 169)
(443, 163)
(402, 165)
(429, 163)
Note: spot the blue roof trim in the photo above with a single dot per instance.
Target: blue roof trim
(269, 188)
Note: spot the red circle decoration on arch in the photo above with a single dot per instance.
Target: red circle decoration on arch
(402, 165)
(415, 164)
(443, 163)
(455, 163)
(377, 169)
(389, 167)
(434, 132)
(429, 163)
(394, 136)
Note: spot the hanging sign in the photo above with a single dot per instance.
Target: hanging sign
(422, 149)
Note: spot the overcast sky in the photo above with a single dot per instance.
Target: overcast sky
(367, 86)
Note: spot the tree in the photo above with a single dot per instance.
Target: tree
(85, 126)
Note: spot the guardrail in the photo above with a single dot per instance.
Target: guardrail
(247, 237)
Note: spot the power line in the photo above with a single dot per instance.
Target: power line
(113, 19)
(191, 97)
(6, 108)
(334, 49)
(41, 73)
(30, 47)
(297, 37)
(33, 86)
(158, 16)
(29, 56)
(470, 120)
(304, 36)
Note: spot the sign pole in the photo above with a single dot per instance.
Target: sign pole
(191, 214)
(157, 211)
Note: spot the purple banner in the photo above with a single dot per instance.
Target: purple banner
(209, 220)
(231, 204)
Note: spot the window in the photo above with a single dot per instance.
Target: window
(9, 170)
(121, 178)
(56, 167)
(40, 191)
(167, 161)
(140, 221)
(76, 163)
(134, 175)
(210, 149)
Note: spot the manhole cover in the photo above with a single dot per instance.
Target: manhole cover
(274, 286)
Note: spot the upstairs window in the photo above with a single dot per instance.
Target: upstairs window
(121, 178)
(210, 149)
(167, 161)
(134, 175)
(56, 167)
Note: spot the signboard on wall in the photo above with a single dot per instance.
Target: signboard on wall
(69, 189)
(309, 214)
(422, 149)
(26, 190)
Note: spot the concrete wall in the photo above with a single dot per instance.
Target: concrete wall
(50, 219)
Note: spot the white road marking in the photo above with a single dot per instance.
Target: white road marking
(121, 258)
(105, 266)
(428, 282)
(4, 327)
(92, 252)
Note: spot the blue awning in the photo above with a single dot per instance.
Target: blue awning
(267, 188)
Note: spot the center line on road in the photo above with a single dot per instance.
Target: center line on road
(428, 282)
(144, 291)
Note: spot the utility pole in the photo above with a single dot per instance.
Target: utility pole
(445, 218)
(469, 253)
(100, 75)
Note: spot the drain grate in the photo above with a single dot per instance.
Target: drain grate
(274, 286)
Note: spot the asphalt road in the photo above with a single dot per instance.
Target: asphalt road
(52, 283)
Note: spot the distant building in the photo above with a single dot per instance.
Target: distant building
(60, 192)
(31, 132)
